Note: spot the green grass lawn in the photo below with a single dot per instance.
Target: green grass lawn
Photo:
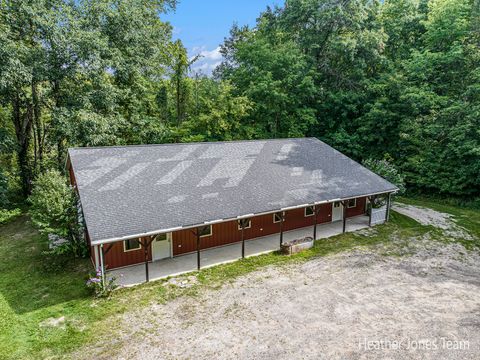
(46, 314)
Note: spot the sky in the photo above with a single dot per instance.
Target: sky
(202, 25)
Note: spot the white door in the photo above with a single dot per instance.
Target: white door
(161, 246)
(337, 212)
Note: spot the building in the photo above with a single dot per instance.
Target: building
(148, 203)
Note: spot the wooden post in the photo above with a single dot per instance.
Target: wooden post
(102, 265)
(315, 214)
(242, 225)
(370, 200)
(102, 262)
(282, 218)
(387, 215)
(344, 204)
(198, 248)
(145, 254)
(96, 256)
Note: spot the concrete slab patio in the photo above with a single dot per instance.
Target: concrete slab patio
(135, 274)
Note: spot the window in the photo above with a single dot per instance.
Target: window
(131, 244)
(336, 204)
(277, 217)
(205, 230)
(309, 211)
(352, 203)
(247, 224)
(161, 237)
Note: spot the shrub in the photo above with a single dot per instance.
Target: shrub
(7, 215)
(4, 201)
(100, 290)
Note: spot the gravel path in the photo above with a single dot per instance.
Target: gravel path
(438, 219)
(355, 305)
(324, 309)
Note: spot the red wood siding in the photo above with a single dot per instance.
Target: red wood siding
(71, 174)
(184, 241)
(73, 182)
(325, 214)
(116, 257)
(92, 251)
(359, 209)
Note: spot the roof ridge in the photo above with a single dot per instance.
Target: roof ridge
(188, 143)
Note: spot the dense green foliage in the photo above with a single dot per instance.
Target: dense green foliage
(54, 210)
(8, 215)
(388, 171)
(399, 77)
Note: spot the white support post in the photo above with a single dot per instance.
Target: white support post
(96, 258)
(389, 203)
(102, 265)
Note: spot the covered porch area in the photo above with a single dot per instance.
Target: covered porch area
(135, 274)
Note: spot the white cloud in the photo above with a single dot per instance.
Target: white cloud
(208, 61)
(213, 54)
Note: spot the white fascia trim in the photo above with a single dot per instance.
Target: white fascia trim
(128, 237)
(213, 221)
(295, 207)
(150, 233)
(245, 216)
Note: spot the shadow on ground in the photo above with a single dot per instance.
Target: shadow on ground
(26, 282)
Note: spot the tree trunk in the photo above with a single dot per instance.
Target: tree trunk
(38, 127)
(178, 101)
(60, 155)
(23, 127)
(24, 165)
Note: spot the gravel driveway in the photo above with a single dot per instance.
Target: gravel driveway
(355, 305)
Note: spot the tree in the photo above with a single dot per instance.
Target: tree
(65, 64)
(441, 138)
(387, 170)
(368, 77)
(4, 201)
(180, 67)
(274, 75)
(54, 210)
(219, 114)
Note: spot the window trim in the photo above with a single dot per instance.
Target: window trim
(305, 211)
(246, 227)
(278, 212)
(354, 204)
(211, 231)
(136, 249)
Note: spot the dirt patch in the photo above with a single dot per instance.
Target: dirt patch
(182, 282)
(426, 216)
(329, 307)
(54, 322)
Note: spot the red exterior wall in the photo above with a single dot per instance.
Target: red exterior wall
(359, 209)
(116, 257)
(73, 182)
(184, 241)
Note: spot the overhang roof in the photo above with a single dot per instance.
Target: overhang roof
(129, 191)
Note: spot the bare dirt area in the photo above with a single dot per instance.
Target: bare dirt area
(360, 304)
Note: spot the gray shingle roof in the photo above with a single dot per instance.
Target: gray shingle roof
(131, 190)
